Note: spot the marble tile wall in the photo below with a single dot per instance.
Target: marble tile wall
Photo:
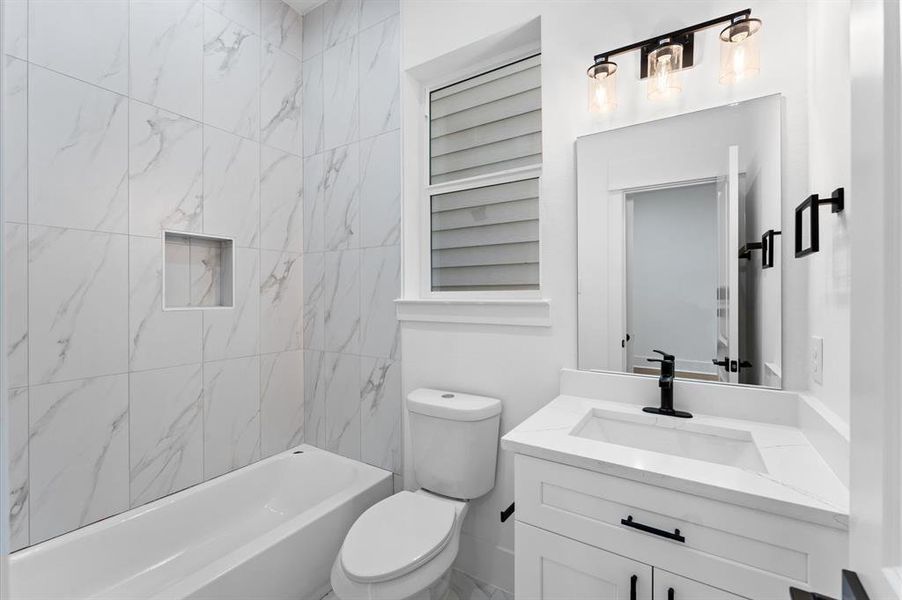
(125, 118)
(351, 215)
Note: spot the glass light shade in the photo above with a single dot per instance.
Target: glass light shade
(739, 54)
(602, 87)
(664, 64)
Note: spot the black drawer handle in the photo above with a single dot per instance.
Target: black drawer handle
(670, 594)
(649, 529)
(633, 581)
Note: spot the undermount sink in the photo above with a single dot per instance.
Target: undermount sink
(676, 437)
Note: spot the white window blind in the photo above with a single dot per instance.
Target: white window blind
(486, 237)
(489, 123)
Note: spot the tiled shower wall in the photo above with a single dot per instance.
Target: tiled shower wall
(352, 210)
(123, 118)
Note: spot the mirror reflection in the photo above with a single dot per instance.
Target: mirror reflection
(680, 245)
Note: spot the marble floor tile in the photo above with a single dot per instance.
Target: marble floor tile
(166, 55)
(15, 140)
(379, 80)
(18, 468)
(157, 338)
(231, 187)
(76, 280)
(234, 332)
(77, 154)
(340, 94)
(78, 453)
(380, 190)
(341, 301)
(380, 413)
(281, 26)
(341, 375)
(59, 39)
(231, 415)
(341, 198)
(165, 171)
(380, 285)
(281, 201)
(281, 401)
(231, 76)
(166, 442)
(16, 303)
(281, 301)
(280, 100)
(314, 399)
(470, 588)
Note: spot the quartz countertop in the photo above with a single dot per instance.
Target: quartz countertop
(798, 482)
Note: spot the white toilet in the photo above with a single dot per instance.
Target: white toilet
(404, 546)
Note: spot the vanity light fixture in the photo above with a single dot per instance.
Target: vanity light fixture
(664, 56)
(739, 53)
(603, 87)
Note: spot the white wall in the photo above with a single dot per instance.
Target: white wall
(672, 276)
(520, 365)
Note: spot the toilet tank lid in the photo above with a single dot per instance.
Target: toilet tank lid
(453, 406)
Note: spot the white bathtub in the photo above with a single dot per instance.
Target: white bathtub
(267, 531)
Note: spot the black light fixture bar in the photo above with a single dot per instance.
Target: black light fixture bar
(673, 34)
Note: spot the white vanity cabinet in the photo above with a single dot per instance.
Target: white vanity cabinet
(553, 567)
(585, 534)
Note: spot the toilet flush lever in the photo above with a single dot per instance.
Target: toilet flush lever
(507, 512)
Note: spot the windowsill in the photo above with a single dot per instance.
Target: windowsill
(518, 312)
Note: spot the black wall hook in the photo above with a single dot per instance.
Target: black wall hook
(811, 204)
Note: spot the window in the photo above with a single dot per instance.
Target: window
(485, 149)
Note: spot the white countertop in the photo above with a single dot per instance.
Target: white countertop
(798, 483)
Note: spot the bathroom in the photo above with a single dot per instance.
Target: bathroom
(312, 299)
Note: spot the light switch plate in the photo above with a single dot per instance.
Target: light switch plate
(816, 358)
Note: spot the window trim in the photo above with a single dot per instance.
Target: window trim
(428, 189)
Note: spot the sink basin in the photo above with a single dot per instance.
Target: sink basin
(676, 437)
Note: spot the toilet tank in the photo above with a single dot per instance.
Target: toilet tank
(454, 440)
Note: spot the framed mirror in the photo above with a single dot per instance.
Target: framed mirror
(679, 224)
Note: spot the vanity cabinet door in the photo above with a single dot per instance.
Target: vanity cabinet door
(553, 567)
(673, 587)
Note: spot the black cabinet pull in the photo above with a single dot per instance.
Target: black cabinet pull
(649, 529)
(670, 594)
(633, 581)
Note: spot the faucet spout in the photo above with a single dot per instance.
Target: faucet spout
(665, 382)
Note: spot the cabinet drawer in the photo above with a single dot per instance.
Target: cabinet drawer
(744, 551)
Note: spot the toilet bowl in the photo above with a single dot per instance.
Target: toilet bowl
(403, 547)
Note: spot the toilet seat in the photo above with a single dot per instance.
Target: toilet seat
(396, 536)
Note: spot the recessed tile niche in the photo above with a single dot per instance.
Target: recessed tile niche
(197, 271)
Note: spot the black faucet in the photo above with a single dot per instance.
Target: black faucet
(665, 382)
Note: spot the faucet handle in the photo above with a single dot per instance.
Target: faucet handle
(664, 356)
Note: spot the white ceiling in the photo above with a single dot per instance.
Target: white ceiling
(303, 6)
